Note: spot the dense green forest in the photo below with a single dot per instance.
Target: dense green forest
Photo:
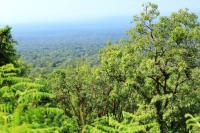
(47, 49)
(146, 83)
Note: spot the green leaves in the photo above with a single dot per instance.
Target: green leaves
(146, 83)
(7, 43)
(26, 107)
(140, 121)
(157, 63)
(193, 123)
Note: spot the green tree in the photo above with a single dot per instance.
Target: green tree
(87, 93)
(75, 91)
(7, 50)
(160, 63)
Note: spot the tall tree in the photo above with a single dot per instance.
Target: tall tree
(7, 50)
(160, 63)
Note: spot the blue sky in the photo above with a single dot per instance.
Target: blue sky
(36, 11)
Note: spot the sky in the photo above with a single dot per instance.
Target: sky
(45, 11)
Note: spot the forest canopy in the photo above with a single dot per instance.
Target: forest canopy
(147, 83)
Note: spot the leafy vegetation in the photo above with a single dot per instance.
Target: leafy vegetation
(193, 123)
(149, 82)
(7, 53)
(28, 106)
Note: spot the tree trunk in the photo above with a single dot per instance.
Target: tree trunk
(159, 113)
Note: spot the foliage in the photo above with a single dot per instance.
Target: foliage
(146, 83)
(139, 122)
(7, 43)
(160, 63)
(193, 123)
(25, 107)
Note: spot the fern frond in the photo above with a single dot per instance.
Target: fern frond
(193, 123)
(32, 96)
(6, 107)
